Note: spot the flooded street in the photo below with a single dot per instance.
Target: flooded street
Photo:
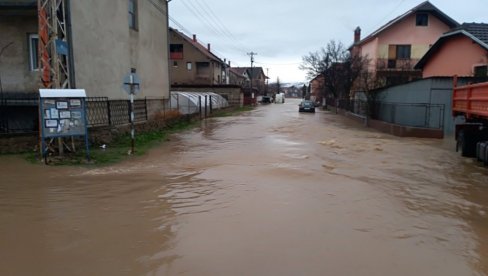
(268, 192)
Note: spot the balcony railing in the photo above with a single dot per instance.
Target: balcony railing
(396, 64)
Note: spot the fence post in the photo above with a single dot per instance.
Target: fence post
(200, 106)
(145, 106)
(211, 107)
(206, 106)
(441, 116)
(109, 112)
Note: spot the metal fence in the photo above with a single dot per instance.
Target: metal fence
(19, 113)
(104, 112)
(416, 115)
(424, 115)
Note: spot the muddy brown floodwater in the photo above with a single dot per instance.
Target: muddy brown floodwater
(269, 192)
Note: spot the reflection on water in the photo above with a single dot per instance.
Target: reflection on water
(272, 192)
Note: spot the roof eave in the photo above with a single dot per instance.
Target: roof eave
(438, 13)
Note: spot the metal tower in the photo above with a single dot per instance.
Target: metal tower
(54, 44)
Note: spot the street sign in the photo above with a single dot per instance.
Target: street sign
(132, 79)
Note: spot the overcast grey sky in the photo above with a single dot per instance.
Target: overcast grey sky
(281, 32)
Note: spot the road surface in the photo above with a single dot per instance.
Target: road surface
(268, 192)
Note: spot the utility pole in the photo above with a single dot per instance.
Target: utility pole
(267, 81)
(252, 54)
(54, 49)
(53, 44)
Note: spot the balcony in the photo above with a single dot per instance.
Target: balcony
(396, 64)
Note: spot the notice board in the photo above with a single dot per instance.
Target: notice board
(63, 114)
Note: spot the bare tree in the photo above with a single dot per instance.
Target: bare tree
(366, 85)
(339, 68)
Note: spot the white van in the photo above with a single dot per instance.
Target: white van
(280, 98)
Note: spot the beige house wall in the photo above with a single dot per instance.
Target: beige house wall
(15, 73)
(105, 48)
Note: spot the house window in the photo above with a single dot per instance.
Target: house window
(133, 14)
(33, 52)
(203, 69)
(481, 71)
(176, 51)
(403, 51)
(188, 66)
(422, 19)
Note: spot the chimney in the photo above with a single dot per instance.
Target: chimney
(194, 38)
(208, 47)
(357, 35)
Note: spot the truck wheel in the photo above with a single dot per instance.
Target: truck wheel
(479, 147)
(485, 161)
(467, 144)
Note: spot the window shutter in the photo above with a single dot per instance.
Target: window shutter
(392, 49)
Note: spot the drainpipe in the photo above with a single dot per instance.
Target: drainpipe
(69, 33)
(168, 52)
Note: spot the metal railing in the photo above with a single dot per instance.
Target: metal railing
(19, 113)
(104, 112)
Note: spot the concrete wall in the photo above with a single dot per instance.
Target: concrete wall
(457, 56)
(105, 48)
(15, 73)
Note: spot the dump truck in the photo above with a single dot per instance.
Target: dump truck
(470, 105)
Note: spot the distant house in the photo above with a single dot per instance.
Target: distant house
(254, 74)
(317, 89)
(191, 63)
(462, 51)
(239, 76)
(396, 47)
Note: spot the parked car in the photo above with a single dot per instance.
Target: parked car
(306, 106)
(266, 100)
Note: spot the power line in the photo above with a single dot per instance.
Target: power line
(278, 64)
(211, 22)
(188, 32)
(390, 13)
(208, 10)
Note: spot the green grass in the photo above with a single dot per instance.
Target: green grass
(119, 148)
